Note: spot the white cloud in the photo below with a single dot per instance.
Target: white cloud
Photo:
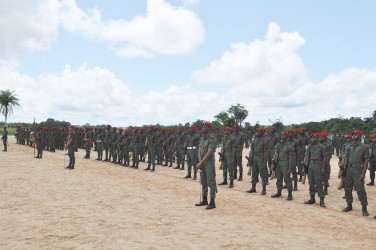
(270, 79)
(96, 96)
(27, 26)
(164, 29)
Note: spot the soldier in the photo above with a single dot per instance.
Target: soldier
(302, 143)
(126, 147)
(257, 160)
(120, 145)
(180, 149)
(227, 156)
(71, 148)
(151, 146)
(315, 160)
(207, 166)
(238, 151)
(107, 142)
(329, 150)
(293, 145)
(4, 137)
(192, 149)
(39, 139)
(282, 157)
(99, 143)
(88, 138)
(356, 158)
(372, 160)
(272, 142)
(113, 146)
(135, 147)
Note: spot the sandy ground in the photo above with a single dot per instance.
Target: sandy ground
(105, 206)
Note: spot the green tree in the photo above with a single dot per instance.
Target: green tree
(238, 112)
(8, 100)
(225, 119)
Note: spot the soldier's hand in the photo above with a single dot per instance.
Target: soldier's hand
(362, 176)
(199, 166)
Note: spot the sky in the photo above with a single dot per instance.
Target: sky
(142, 62)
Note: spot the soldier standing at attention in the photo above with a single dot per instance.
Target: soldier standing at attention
(257, 160)
(192, 149)
(283, 170)
(134, 144)
(39, 141)
(238, 151)
(228, 157)
(315, 159)
(356, 158)
(99, 143)
(106, 142)
(4, 137)
(329, 150)
(372, 160)
(207, 166)
(71, 148)
(272, 142)
(151, 144)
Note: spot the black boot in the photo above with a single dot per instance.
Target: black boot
(326, 190)
(195, 176)
(148, 168)
(177, 167)
(240, 177)
(211, 204)
(371, 183)
(152, 169)
(68, 167)
(289, 196)
(300, 178)
(253, 189)
(278, 194)
(364, 211)
(295, 186)
(224, 182)
(263, 192)
(322, 204)
(348, 208)
(187, 176)
(204, 202)
(311, 201)
(231, 184)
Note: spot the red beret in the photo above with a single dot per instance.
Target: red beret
(260, 129)
(317, 134)
(324, 133)
(228, 129)
(285, 133)
(303, 129)
(359, 132)
(193, 127)
(236, 125)
(208, 124)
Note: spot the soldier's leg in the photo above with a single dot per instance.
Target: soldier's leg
(359, 185)
(210, 175)
(349, 184)
(287, 179)
(224, 171)
(239, 162)
(279, 176)
(189, 163)
(372, 172)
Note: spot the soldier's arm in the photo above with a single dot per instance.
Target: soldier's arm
(365, 155)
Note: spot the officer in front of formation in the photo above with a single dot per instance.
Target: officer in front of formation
(207, 166)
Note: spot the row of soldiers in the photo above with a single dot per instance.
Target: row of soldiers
(287, 156)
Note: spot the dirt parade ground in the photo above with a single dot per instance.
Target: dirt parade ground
(100, 205)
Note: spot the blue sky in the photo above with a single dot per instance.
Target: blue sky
(137, 62)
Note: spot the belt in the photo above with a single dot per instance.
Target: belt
(314, 161)
(191, 147)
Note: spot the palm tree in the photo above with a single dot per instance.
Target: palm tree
(7, 101)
